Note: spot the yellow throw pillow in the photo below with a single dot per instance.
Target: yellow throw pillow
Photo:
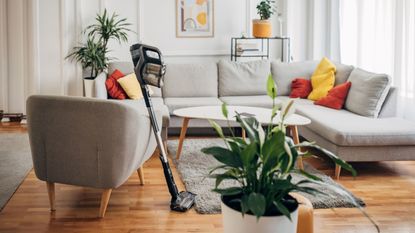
(131, 86)
(324, 67)
(321, 84)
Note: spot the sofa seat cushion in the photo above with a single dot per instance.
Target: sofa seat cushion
(158, 105)
(344, 128)
(174, 103)
(297, 101)
(263, 101)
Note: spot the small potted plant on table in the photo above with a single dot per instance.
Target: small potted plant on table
(262, 28)
(261, 168)
(93, 55)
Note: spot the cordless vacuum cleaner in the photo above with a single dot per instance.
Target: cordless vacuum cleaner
(150, 69)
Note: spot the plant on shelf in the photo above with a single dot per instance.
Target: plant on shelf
(93, 55)
(262, 27)
(261, 168)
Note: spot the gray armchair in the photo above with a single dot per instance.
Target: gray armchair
(88, 142)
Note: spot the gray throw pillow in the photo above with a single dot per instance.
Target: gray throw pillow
(243, 78)
(367, 93)
(285, 73)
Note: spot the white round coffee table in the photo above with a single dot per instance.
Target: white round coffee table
(263, 115)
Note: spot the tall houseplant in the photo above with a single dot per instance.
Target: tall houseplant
(262, 27)
(262, 166)
(93, 55)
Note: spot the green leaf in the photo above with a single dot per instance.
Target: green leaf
(225, 176)
(282, 209)
(329, 154)
(271, 87)
(228, 191)
(225, 110)
(224, 156)
(257, 204)
(306, 174)
(244, 204)
(248, 154)
(217, 128)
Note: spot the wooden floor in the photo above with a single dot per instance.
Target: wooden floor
(388, 188)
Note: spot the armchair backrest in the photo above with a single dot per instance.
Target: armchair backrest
(87, 142)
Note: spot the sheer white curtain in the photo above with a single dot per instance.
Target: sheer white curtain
(379, 35)
(314, 27)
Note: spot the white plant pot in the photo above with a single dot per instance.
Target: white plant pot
(89, 88)
(234, 222)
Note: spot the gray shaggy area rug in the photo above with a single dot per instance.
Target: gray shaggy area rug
(194, 165)
(15, 163)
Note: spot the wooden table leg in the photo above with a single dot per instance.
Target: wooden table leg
(243, 134)
(296, 138)
(182, 136)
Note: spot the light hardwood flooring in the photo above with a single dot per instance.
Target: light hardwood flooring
(388, 188)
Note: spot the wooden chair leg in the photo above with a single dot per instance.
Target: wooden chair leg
(105, 197)
(51, 193)
(337, 172)
(140, 172)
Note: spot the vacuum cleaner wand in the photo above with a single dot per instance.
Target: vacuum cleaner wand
(149, 70)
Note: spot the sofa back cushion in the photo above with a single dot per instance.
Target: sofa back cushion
(285, 73)
(127, 68)
(368, 92)
(243, 78)
(191, 80)
(342, 73)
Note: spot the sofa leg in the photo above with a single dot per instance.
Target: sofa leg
(140, 172)
(105, 197)
(337, 172)
(51, 193)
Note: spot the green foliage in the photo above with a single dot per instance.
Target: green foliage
(93, 54)
(266, 9)
(262, 164)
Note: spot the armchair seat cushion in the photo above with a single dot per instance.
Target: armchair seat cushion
(344, 128)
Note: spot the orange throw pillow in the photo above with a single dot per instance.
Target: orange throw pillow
(300, 88)
(336, 96)
(114, 89)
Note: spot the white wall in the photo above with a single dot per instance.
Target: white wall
(40, 34)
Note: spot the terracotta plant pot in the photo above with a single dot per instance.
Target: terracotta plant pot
(261, 28)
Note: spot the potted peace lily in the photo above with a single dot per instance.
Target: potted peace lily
(261, 168)
(262, 27)
(93, 55)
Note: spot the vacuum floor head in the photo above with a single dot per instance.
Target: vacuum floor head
(184, 201)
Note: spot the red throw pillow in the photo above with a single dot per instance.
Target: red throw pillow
(113, 87)
(300, 88)
(336, 96)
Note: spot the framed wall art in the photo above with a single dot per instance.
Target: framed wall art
(194, 18)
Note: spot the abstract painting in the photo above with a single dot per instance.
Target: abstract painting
(194, 18)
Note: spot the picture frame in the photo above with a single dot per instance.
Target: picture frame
(195, 18)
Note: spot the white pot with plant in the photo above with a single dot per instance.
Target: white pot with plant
(262, 27)
(93, 55)
(261, 167)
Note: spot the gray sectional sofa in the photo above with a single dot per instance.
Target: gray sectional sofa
(351, 136)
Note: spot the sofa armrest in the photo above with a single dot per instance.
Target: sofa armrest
(99, 86)
(390, 106)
